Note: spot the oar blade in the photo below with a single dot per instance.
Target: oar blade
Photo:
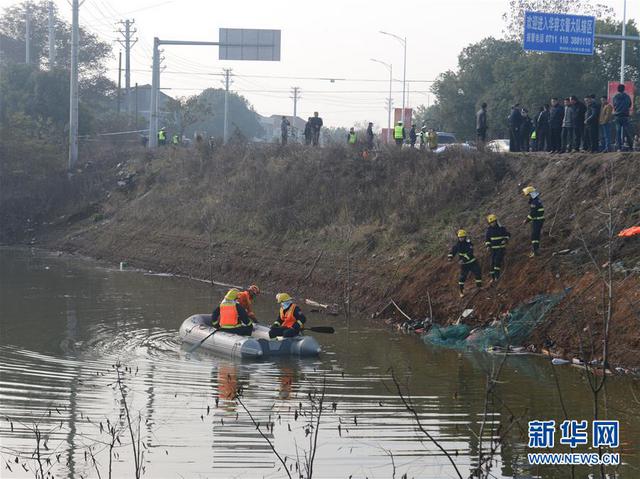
(322, 329)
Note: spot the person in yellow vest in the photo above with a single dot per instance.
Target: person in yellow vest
(175, 139)
(245, 299)
(352, 137)
(162, 136)
(230, 317)
(432, 138)
(290, 320)
(399, 133)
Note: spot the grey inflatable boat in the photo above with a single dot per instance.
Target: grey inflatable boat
(197, 327)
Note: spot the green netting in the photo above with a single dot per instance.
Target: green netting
(512, 331)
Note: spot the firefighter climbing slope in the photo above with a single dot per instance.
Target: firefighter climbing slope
(496, 241)
(535, 217)
(468, 262)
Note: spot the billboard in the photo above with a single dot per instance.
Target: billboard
(629, 89)
(249, 44)
(559, 33)
(408, 115)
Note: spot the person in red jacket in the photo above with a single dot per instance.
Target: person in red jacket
(245, 299)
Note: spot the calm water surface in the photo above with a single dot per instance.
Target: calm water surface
(65, 323)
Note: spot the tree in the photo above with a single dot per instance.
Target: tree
(41, 94)
(92, 52)
(431, 116)
(334, 136)
(187, 111)
(501, 73)
(205, 113)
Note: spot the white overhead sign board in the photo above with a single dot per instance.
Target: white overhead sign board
(249, 44)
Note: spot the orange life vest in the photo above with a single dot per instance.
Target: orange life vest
(244, 298)
(287, 319)
(229, 315)
(634, 230)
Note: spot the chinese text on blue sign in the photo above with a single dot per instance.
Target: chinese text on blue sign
(555, 32)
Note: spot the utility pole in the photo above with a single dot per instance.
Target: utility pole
(27, 35)
(119, 79)
(52, 38)
(624, 42)
(136, 108)
(296, 97)
(155, 86)
(73, 86)
(227, 75)
(404, 76)
(389, 110)
(127, 42)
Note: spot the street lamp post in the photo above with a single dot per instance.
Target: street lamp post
(404, 74)
(389, 66)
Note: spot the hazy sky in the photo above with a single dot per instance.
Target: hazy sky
(321, 39)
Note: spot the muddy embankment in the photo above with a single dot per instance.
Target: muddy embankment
(328, 225)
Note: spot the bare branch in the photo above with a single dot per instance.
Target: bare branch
(412, 410)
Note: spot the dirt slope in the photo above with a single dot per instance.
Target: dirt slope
(327, 224)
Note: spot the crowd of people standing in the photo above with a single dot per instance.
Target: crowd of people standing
(572, 125)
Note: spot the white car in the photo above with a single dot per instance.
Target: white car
(455, 146)
(498, 146)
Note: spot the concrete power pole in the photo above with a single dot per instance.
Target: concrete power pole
(27, 35)
(624, 42)
(155, 86)
(119, 81)
(73, 87)
(127, 42)
(225, 134)
(52, 38)
(296, 97)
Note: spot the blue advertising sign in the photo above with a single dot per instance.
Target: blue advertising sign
(559, 33)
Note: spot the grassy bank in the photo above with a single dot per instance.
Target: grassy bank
(330, 225)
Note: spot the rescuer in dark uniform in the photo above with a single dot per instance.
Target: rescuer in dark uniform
(535, 217)
(496, 241)
(468, 262)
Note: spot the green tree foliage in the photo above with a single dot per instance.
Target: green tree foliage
(35, 101)
(501, 73)
(92, 53)
(204, 113)
(335, 136)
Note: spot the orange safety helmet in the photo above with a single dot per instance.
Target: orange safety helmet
(254, 289)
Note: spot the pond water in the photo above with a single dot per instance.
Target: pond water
(67, 323)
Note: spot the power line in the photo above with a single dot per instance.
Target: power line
(184, 72)
(349, 92)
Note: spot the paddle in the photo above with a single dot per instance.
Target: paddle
(321, 329)
(200, 343)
